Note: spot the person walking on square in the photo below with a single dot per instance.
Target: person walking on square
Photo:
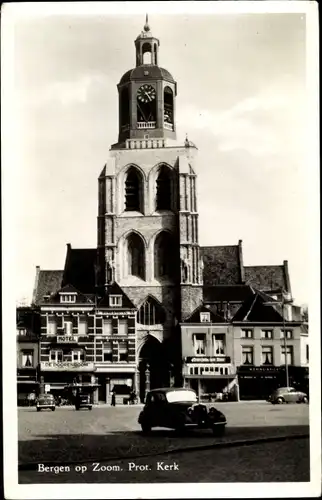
(113, 401)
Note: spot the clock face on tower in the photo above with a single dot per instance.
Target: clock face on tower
(146, 93)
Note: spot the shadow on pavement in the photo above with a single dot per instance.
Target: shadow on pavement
(78, 448)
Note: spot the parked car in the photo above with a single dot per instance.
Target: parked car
(178, 408)
(83, 401)
(46, 401)
(288, 395)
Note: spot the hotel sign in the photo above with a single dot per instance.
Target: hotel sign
(66, 338)
(208, 359)
(66, 366)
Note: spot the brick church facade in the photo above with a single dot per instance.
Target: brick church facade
(115, 315)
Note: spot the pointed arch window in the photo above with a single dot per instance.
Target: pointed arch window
(133, 191)
(163, 189)
(151, 313)
(163, 256)
(135, 256)
(168, 108)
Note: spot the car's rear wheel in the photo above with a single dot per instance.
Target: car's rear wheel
(53, 409)
(89, 407)
(146, 428)
(280, 401)
(218, 430)
(305, 400)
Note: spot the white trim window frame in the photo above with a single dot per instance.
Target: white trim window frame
(115, 300)
(107, 349)
(68, 327)
(247, 333)
(122, 326)
(289, 334)
(82, 326)
(51, 327)
(107, 327)
(56, 355)
(68, 298)
(27, 358)
(205, 317)
(267, 334)
(199, 344)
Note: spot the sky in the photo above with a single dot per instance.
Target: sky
(242, 99)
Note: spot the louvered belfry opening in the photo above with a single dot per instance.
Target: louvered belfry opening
(163, 195)
(135, 256)
(132, 191)
(150, 313)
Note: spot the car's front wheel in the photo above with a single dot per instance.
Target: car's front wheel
(146, 428)
(305, 400)
(53, 409)
(280, 401)
(89, 407)
(218, 430)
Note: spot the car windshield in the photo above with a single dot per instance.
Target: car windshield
(46, 398)
(178, 396)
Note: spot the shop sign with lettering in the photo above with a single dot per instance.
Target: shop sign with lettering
(207, 359)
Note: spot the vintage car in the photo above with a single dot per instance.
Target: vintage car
(83, 401)
(178, 408)
(287, 395)
(46, 401)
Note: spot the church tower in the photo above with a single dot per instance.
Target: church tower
(147, 210)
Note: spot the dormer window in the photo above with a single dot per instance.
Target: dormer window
(205, 317)
(67, 298)
(115, 300)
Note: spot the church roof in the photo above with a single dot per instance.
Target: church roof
(226, 293)
(80, 269)
(47, 283)
(146, 72)
(221, 265)
(267, 278)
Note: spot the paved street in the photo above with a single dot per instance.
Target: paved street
(110, 434)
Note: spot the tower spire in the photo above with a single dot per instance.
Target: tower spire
(146, 26)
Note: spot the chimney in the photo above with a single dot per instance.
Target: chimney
(35, 289)
(287, 278)
(241, 261)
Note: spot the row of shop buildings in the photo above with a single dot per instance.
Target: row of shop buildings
(236, 342)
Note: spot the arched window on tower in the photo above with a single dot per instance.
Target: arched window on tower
(151, 313)
(163, 189)
(133, 190)
(125, 108)
(135, 256)
(163, 256)
(147, 53)
(168, 108)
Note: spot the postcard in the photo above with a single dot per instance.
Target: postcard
(160, 255)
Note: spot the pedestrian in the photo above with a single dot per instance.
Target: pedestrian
(113, 401)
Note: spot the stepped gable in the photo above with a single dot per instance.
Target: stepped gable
(115, 289)
(47, 283)
(80, 266)
(221, 265)
(254, 310)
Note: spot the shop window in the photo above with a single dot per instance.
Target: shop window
(151, 313)
(267, 355)
(82, 326)
(56, 356)
(205, 317)
(115, 300)
(199, 343)
(218, 341)
(107, 352)
(122, 352)
(287, 355)
(122, 327)
(68, 298)
(247, 334)
(287, 333)
(107, 327)
(267, 334)
(27, 358)
(247, 355)
(51, 326)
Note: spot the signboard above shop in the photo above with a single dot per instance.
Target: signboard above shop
(207, 359)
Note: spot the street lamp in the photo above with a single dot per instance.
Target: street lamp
(282, 302)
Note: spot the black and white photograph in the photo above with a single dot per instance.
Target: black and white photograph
(161, 250)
